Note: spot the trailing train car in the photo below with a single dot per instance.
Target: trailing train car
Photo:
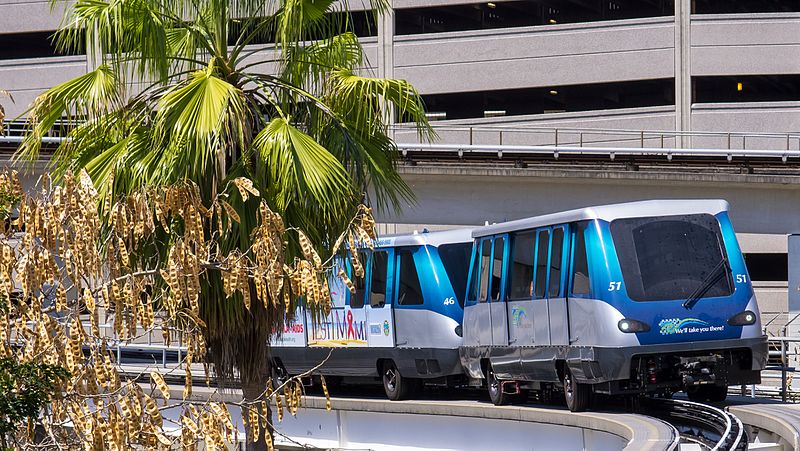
(403, 324)
(639, 298)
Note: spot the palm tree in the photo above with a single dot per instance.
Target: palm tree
(181, 92)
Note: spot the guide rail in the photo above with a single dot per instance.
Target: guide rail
(710, 427)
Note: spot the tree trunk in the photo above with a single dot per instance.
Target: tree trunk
(252, 389)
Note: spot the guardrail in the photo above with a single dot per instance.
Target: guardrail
(601, 137)
(556, 151)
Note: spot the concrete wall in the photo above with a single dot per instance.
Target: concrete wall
(637, 49)
(738, 44)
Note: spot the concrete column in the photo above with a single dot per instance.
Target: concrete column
(386, 52)
(683, 78)
(794, 285)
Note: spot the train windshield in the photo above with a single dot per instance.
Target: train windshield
(670, 257)
(455, 258)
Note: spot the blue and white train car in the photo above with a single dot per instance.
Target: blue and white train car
(634, 298)
(403, 323)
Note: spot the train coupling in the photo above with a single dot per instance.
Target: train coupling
(510, 387)
(698, 370)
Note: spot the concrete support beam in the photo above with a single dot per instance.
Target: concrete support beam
(683, 73)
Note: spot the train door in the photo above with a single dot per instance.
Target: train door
(497, 305)
(409, 302)
(519, 297)
(484, 316)
(539, 307)
(378, 309)
(556, 293)
(579, 284)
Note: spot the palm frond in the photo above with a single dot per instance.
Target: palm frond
(365, 101)
(312, 63)
(199, 121)
(299, 167)
(85, 97)
(299, 19)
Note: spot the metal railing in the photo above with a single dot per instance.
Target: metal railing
(523, 140)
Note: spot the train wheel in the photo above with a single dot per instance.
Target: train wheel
(696, 394)
(395, 385)
(713, 393)
(718, 393)
(495, 388)
(576, 394)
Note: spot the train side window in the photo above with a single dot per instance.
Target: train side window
(409, 292)
(377, 290)
(497, 267)
(473, 278)
(556, 262)
(521, 271)
(542, 252)
(357, 298)
(580, 264)
(486, 259)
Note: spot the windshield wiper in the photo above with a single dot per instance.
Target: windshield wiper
(711, 279)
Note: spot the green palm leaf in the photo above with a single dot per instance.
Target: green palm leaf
(87, 96)
(199, 122)
(299, 166)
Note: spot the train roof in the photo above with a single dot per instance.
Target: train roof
(661, 207)
(462, 235)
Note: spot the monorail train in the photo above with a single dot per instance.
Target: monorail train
(635, 298)
(403, 324)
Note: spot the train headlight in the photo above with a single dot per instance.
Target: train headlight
(631, 326)
(744, 318)
(458, 331)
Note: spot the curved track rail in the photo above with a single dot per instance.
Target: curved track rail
(708, 426)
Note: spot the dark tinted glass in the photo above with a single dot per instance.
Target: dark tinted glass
(669, 257)
(556, 263)
(525, 13)
(541, 263)
(497, 267)
(580, 265)
(486, 255)
(474, 280)
(357, 298)
(744, 6)
(455, 258)
(409, 292)
(521, 272)
(552, 99)
(377, 291)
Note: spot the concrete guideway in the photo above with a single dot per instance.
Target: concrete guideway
(464, 425)
(771, 423)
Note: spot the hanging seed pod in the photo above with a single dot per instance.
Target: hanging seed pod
(152, 410)
(123, 253)
(230, 211)
(358, 268)
(189, 424)
(160, 384)
(253, 420)
(308, 250)
(265, 416)
(245, 187)
(279, 407)
(325, 392)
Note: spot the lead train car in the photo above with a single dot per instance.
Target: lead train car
(403, 324)
(634, 298)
